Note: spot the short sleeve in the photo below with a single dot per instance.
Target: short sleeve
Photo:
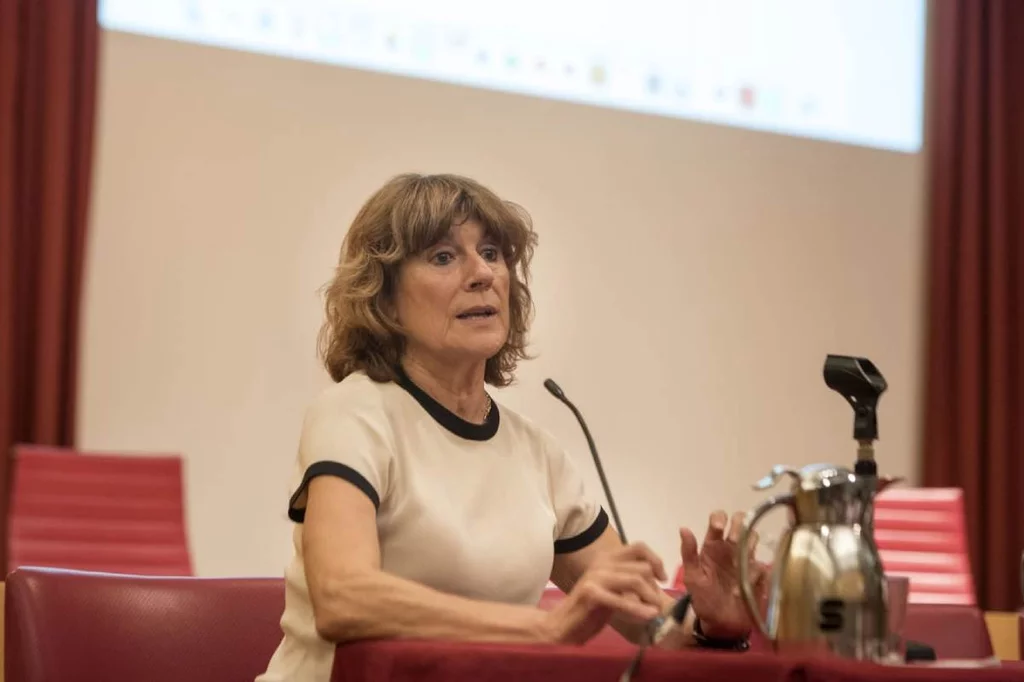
(344, 434)
(580, 518)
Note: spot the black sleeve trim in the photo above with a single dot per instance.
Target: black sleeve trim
(578, 542)
(327, 468)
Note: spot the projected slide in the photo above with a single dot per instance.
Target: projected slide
(844, 70)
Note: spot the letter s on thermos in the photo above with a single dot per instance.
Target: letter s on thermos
(831, 614)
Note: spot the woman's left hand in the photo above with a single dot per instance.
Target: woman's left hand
(711, 576)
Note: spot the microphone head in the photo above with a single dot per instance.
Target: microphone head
(554, 389)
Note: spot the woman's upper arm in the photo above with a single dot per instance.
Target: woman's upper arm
(345, 462)
(339, 536)
(568, 567)
(345, 435)
(580, 520)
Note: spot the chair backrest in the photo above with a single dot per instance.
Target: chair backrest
(921, 534)
(72, 626)
(97, 512)
(954, 631)
(679, 579)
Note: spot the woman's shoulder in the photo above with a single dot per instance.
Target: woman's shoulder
(355, 394)
(526, 428)
(539, 444)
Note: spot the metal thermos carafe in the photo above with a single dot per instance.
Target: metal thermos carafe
(827, 589)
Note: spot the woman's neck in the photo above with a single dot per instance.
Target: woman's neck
(459, 388)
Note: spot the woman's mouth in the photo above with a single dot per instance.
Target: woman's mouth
(479, 312)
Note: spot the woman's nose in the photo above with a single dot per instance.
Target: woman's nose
(481, 274)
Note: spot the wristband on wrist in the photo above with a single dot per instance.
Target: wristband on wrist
(662, 625)
(706, 642)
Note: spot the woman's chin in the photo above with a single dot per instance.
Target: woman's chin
(482, 349)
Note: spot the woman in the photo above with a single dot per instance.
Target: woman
(423, 509)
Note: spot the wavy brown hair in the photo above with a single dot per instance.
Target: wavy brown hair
(406, 216)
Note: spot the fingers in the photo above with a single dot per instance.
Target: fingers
(688, 549)
(626, 581)
(752, 540)
(641, 552)
(717, 529)
(633, 577)
(763, 582)
(631, 583)
(604, 594)
(716, 526)
(736, 526)
(634, 582)
(722, 540)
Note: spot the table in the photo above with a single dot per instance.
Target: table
(852, 671)
(412, 661)
(416, 661)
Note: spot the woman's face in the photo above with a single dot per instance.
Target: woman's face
(452, 299)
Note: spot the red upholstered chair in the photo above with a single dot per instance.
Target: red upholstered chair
(93, 512)
(70, 626)
(678, 578)
(953, 631)
(921, 534)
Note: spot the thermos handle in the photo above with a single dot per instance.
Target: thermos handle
(749, 522)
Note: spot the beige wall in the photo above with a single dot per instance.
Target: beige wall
(690, 279)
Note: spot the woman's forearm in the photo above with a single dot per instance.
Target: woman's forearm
(377, 605)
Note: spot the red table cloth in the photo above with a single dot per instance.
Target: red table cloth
(410, 661)
(852, 671)
(414, 661)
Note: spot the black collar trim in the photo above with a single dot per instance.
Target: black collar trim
(448, 419)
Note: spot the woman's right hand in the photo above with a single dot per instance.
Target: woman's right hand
(621, 583)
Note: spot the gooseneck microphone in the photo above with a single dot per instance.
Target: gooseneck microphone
(660, 627)
(556, 390)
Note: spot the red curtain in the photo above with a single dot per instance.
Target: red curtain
(974, 401)
(48, 56)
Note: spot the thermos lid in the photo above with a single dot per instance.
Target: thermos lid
(810, 477)
(815, 476)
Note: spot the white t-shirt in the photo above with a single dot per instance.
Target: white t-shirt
(477, 510)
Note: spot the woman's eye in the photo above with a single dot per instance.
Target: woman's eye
(491, 253)
(443, 258)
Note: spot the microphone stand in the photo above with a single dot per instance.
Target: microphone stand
(555, 390)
